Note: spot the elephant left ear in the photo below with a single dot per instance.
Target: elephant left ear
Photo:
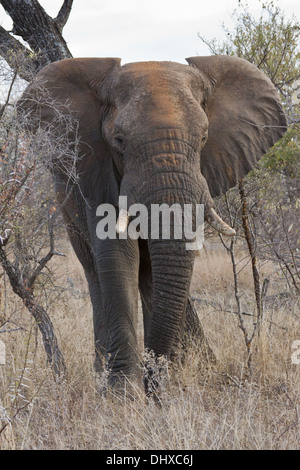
(245, 118)
(68, 99)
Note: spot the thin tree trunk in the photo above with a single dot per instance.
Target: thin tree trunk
(40, 315)
(249, 240)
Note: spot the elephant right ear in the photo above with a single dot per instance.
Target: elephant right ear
(74, 90)
(245, 119)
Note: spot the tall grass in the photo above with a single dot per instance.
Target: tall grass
(203, 406)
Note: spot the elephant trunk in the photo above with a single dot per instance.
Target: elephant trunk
(172, 267)
(170, 175)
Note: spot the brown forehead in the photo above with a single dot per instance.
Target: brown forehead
(156, 73)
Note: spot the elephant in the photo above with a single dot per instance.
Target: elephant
(155, 133)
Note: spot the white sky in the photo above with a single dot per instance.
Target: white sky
(138, 30)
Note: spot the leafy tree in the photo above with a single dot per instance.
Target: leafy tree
(271, 42)
(265, 207)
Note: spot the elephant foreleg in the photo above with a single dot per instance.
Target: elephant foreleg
(83, 251)
(117, 267)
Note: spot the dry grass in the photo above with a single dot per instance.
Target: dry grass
(203, 407)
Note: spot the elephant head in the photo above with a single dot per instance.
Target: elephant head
(163, 132)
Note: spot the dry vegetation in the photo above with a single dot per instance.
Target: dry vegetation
(203, 406)
(232, 404)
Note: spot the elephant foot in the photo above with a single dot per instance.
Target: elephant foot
(118, 385)
(121, 387)
(119, 382)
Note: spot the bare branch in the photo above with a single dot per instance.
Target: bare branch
(3, 108)
(38, 29)
(249, 239)
(41, 317)
(18, 56)
(63, 14)
(43, 262)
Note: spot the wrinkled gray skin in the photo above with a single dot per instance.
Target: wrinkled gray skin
(156, 132)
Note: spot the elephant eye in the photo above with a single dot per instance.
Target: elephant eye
(204, 139)
(119, 143)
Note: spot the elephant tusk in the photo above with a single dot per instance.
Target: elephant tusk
(122, 221)
(217, 223)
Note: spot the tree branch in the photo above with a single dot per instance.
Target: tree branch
(18, 56)
(43, 262)
(4, 106)
(40, 315)
(250, 244)
(63, 14)
(38, 29)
